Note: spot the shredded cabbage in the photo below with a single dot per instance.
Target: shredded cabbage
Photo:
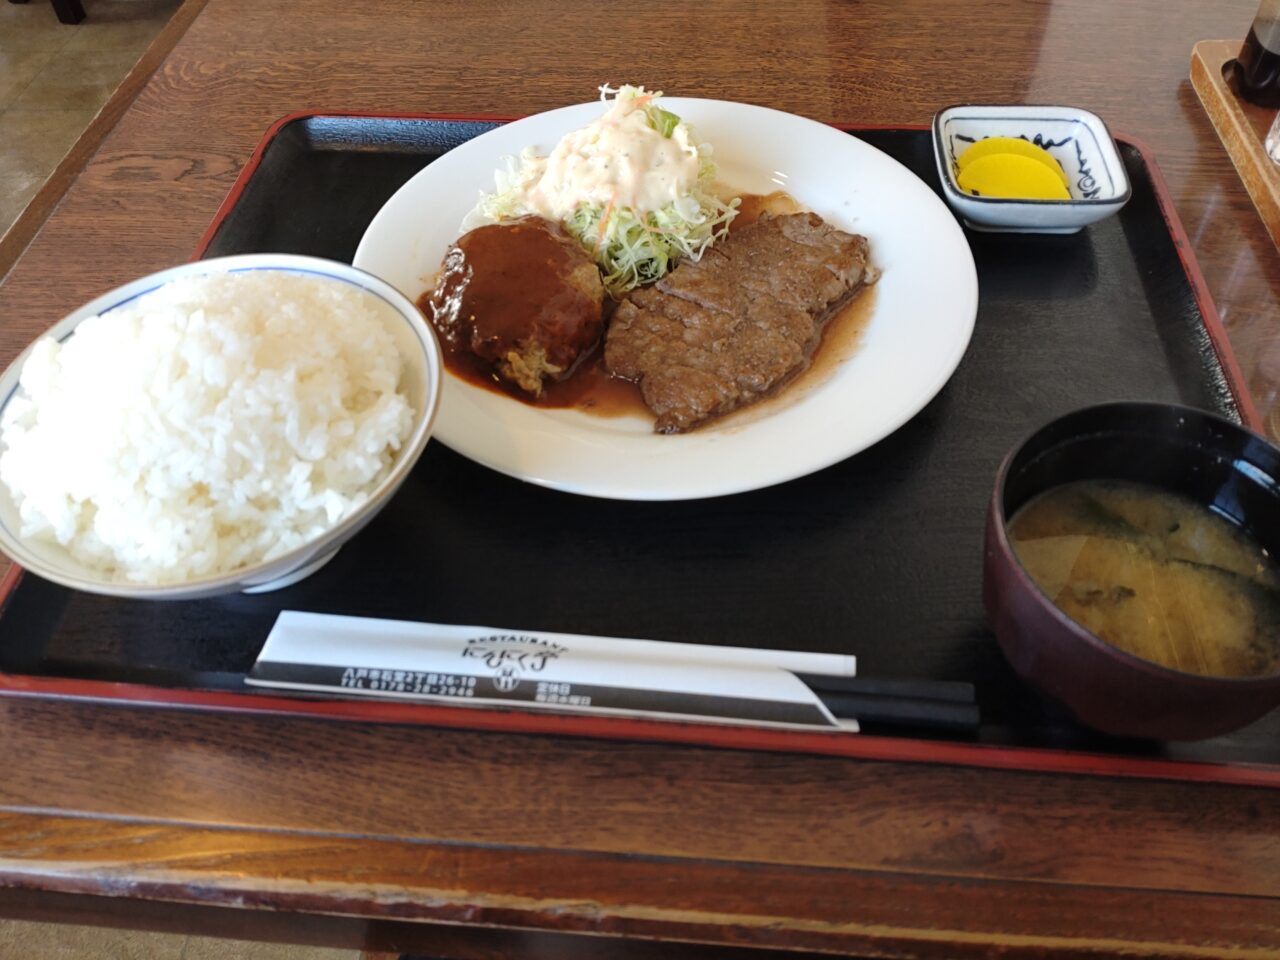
(632, 247)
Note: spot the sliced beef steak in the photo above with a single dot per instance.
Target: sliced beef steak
(718, 334)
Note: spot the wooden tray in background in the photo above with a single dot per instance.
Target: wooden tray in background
(1241, 125)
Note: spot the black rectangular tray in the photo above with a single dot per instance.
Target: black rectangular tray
(879, 555)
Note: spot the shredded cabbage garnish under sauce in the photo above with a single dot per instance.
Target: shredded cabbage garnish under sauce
(634, 187)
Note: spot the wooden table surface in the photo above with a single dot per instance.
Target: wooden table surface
(486, 845)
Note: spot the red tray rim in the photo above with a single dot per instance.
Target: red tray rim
(853, 746)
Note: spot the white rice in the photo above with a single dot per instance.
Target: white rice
(210, 424)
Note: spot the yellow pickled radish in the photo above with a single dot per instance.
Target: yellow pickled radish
(1016, 145)
(1012, 176)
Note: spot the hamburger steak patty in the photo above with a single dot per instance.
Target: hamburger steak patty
(723, 332)
(521, 295)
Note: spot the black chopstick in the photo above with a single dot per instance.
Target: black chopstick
(947, 691)
(901, 711)
(946, 704)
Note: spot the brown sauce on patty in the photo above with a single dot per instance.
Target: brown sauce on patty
(520, 300)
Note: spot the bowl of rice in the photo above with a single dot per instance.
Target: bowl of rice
(221, 426)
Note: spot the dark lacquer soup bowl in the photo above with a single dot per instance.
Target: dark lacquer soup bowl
(1203, 457)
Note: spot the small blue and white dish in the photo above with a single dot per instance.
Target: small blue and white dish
(1077, 139)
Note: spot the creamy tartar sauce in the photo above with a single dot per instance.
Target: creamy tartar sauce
(618, 159)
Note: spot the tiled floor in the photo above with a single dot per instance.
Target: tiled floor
(54, 78)
(39, 941)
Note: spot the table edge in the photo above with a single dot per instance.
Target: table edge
(15, 241)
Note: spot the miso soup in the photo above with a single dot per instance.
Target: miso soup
(1155, 574)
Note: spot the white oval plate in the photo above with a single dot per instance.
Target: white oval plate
(921, 323)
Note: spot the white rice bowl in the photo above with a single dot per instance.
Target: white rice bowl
(217, 422)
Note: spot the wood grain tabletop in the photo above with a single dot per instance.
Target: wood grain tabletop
(465, 844)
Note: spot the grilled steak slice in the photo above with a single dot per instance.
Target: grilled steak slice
(721, 333)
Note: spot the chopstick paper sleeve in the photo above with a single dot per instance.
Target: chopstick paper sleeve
(487, 666)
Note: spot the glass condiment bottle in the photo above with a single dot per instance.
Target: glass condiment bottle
(1272, 141)
(1255, 74)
